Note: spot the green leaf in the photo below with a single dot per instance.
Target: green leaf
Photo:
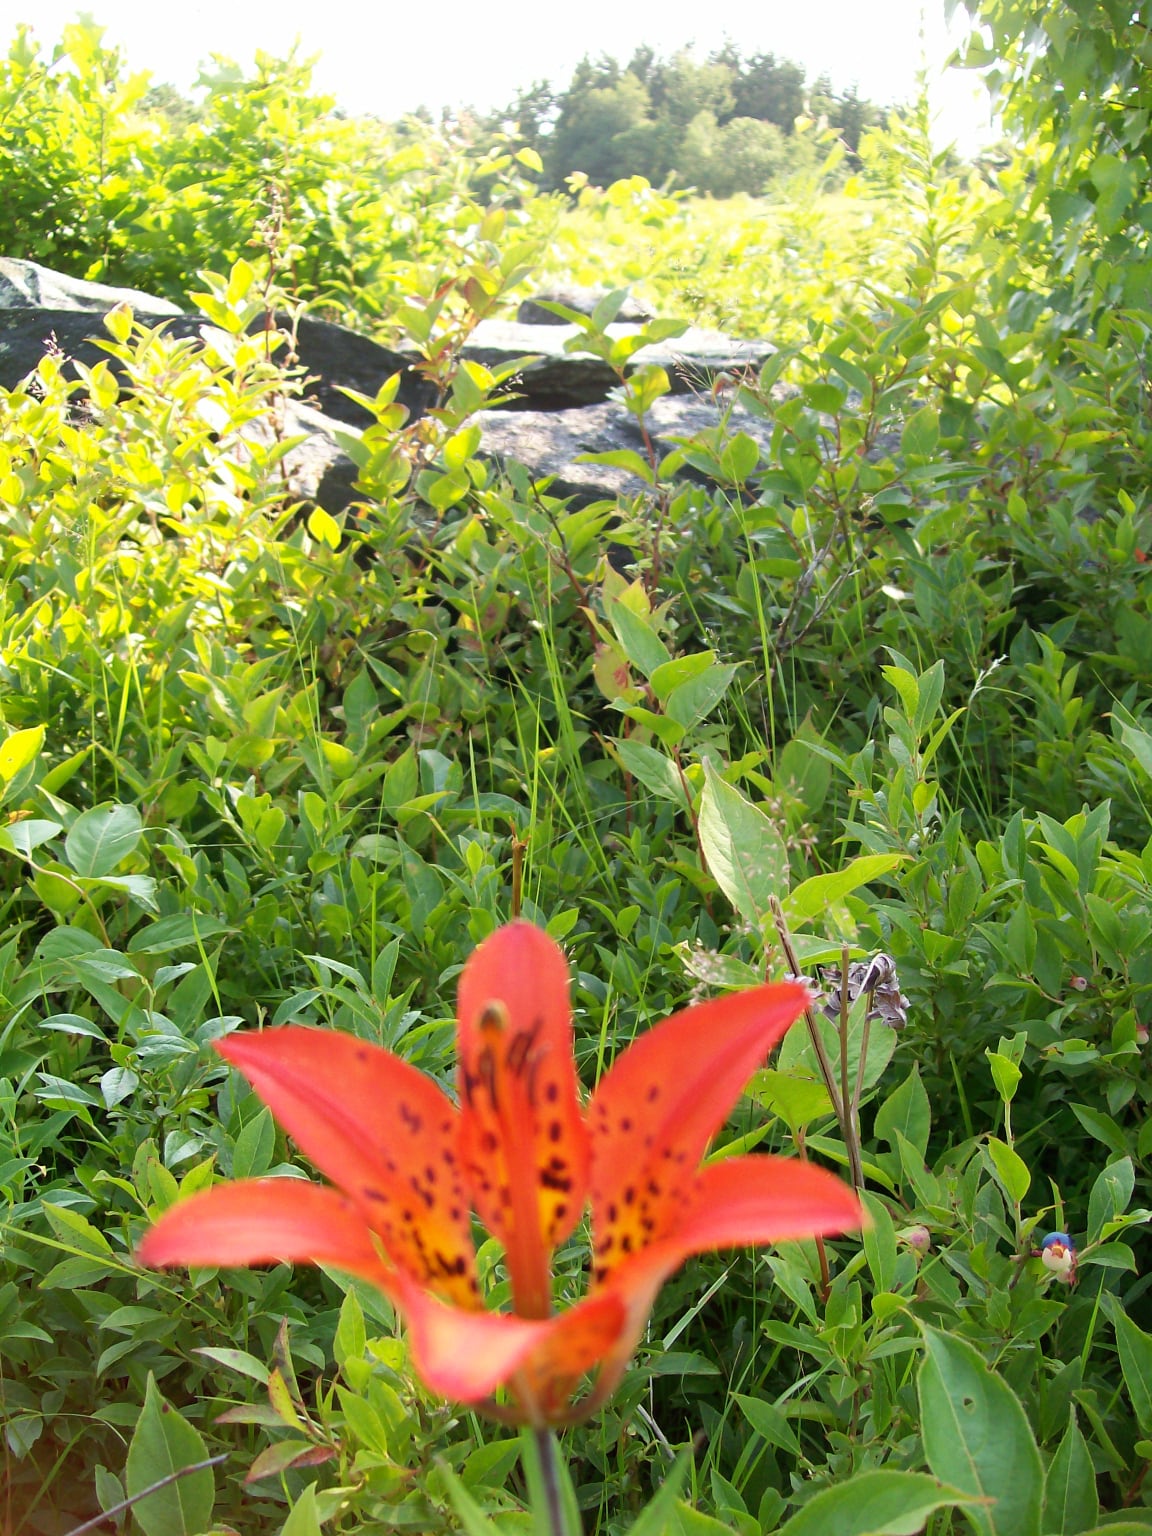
(672, 674)
(324, 528)
(1102, 1127)
(252, 1153)
(657, 1516)
(744, 852)
(1011, 1169)
(472, 1518)
(178, 931)
(1139, 743)
(906, 1109)
(739, 457)
(102, 838)
(770, 1423)
(695, 700)
(1110, 1195)
(24, 837)
(1071, 1503)
(976, 1437)
(622, 458)
(18, 750)
(164, 1443)
(351, 1337)
(813, 896)
(1005, 1074)
(874, 1504)
(642, 645)
(653, 769)
(799, 1099)
(906, 686)
(879, 1239)
(237, 1360)
(1135, 1349)
(921, 434)
(304, 1519)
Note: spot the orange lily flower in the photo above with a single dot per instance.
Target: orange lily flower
(409, 1166)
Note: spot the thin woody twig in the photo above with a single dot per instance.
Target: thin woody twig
(118, 1509)
(809, 1015)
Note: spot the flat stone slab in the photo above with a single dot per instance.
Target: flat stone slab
(27, 285)
(558, 380)
(573, 296)
(551, 442)
(329, 354)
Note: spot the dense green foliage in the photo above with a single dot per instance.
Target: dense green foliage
(723, 125)
(261, 765)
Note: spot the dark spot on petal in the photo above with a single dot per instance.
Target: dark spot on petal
(629, 1194)
(626, 1123)
(552, 1092)
(555, 1131)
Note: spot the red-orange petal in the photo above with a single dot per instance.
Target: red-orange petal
(465, 1356)
(265, 1221)
(662, 1101)
(523, 1141)
(736, 1202)
(383, 1132)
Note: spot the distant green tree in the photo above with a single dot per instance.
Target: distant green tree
(596, 130)
(742, 155)
(683, 88)
(707, 122)
(770, 89)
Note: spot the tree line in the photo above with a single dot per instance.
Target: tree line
(724, 124)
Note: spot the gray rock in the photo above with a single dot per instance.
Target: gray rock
(316, 469)
(583, 300)
(330, 355)
(27, 285)
(566, 409)
(553, 379)
(334, 356)
(550, 442)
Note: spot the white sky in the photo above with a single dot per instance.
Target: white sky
(389, 58)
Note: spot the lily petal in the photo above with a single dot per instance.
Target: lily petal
(265, 1221)
(738, 1201)
(382, 1132)
(523, 1141)
(465, 1356)
(662, 1101)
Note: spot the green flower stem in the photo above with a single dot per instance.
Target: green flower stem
(549, 1490)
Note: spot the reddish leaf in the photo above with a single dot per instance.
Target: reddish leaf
(285, 1455)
